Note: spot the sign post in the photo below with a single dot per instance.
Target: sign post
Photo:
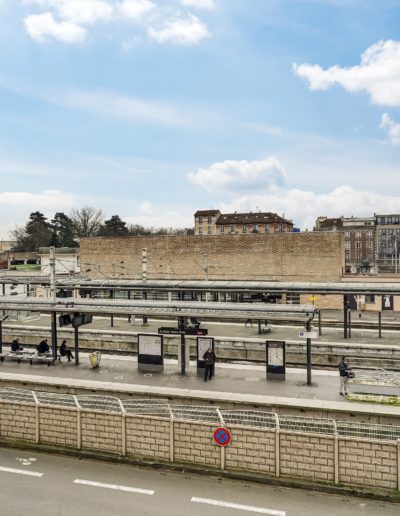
(276, 357)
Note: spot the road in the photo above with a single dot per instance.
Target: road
(48, 485)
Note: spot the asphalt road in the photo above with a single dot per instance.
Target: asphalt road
(38, 484)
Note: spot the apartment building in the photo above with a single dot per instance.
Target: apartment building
(213, 222)
(388, 242)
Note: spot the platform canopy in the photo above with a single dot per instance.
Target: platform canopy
(160, 308)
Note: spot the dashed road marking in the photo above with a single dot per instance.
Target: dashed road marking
(240, 507)
(21, 472)
(116, 487)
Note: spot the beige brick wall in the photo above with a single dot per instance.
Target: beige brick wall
(368, 463)
(193, 443)
(102, 431)
(288, 257)
(58, 426)
(17, 421)
(307, 456)
(148, 437)
(251, 450)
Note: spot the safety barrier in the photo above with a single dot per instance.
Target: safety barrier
(265, 443)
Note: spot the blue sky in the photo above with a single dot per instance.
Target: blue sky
(152, 109)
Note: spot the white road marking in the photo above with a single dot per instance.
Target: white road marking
(250, 508)
(113, 486)
(21, 472)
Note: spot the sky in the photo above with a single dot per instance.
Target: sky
(153, 109)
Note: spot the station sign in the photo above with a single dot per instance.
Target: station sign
(167, 330)
(308, 334)
(276, 359)
(150, 352)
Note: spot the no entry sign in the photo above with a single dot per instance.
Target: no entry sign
(222, 436)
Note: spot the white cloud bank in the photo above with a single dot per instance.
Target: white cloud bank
(163, 22)
(303, 207)
(43, 27)
(183, 31)
(240, 175)
(393, 129)
(378, 74)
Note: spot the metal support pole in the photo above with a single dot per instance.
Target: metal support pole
(380, 324)
(349, 318)
(1, 336)
(319, 322)
(345, 313)
(54, 333)
(112, 315)
(129, 298)
(183, 354)
(308, 327)
(259, 326)
(76, 346)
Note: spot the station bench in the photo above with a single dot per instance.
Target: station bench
(44, 358)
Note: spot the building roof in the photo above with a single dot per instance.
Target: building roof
(251, 218)
(206, 213)
(330, 222)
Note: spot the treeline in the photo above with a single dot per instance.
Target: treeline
(66, 230)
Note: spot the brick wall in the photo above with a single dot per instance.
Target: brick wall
(251, 450)
(148, 437)
(193, 444)
(368, 463)
(101, 431)
(284, 257)
(58, 426)
(17, 421)
(307, 456)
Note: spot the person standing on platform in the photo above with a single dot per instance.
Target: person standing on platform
(209, 363)
(344, 369)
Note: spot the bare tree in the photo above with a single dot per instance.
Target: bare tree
(86, 221)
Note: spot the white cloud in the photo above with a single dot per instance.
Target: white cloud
(242, 175)
(43, 27)
(392, 128)
(183, 31)
(378, 74)
(199, 4)
(136, 9)
(78, 11)
(303, 207)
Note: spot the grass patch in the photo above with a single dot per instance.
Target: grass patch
(394, 401)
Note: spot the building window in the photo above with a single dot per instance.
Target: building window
(200, 220)
(389, 220)
(200, 230)
(370, 299)
(266, 228)
(222, 229)
(209, 220)
(209, 230)
(358, 245)
(347, 255)
(255, 228)
(347, 234)
(358, 234)
(369, 234)
(232, 228)
(244, 229)
(396, 220)
(382, 220)
(347, 245)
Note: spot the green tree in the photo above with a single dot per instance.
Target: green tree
(36, 233)
(63, 231)
(113, 227)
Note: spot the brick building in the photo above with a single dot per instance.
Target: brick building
(213, 222)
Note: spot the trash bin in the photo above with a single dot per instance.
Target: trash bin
(95, 358)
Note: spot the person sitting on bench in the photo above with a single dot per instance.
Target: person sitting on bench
(65, 351)
(16, 346)
(43, 347)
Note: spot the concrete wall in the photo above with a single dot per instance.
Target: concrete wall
(263, 451)
(284, 257)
